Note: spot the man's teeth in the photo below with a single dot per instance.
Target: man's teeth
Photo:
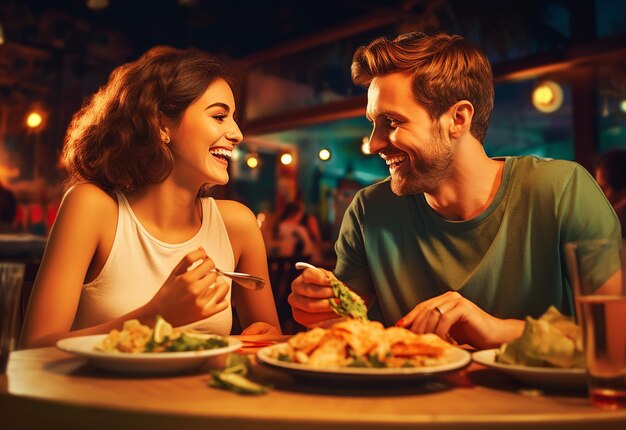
(226, 153)
(394, 160)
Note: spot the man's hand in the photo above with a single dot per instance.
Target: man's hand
(451, 315)
(309, 297)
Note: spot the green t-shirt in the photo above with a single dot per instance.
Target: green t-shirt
(509, 260)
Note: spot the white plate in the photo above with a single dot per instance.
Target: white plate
(539, 376)
(456, 358)
(142, 363)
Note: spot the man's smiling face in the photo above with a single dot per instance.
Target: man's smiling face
(414, 146)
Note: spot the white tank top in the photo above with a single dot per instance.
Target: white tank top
(139, 264)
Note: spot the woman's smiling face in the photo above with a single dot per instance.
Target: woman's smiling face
(203, 140)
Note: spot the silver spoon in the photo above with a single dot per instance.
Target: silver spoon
(243, 279)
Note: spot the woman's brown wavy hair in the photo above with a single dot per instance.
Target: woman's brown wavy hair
(114, 141)
(445, 70)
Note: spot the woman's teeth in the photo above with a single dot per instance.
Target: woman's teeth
(221, 153)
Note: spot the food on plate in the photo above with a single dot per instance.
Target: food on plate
(553, 340)
(357, 343)
(346, 302)
(136, 337)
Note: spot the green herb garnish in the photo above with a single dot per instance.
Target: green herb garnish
(233, 376)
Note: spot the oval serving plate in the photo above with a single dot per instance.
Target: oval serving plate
(539, 376)
(456, 359)
(142, 363)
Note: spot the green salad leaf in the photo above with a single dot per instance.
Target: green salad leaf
(553, 340)
(346, 302)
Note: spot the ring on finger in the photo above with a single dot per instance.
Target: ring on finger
(438, 310)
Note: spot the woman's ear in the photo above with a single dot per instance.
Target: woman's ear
(165, 135)
(461, 113)
(164, 130)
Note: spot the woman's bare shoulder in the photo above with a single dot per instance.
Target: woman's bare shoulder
(89, 198)
(237, 217)
(234, 211)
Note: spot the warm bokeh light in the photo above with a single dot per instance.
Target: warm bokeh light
(260, 219)
(97, 4)
(547, 96)
(324, 154)
(365, 145)
(252, 161)
(622, 105)
(34, 120)
(286, 159)
(236, 154)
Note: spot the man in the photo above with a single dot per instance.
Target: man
(611, 176)
(453, 242)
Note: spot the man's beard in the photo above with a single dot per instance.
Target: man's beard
(428, 168)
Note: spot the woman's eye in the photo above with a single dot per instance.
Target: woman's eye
(219, 117)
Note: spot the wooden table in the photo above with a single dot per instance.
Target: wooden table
(48, 388)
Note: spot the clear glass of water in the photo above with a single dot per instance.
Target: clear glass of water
(596, 272)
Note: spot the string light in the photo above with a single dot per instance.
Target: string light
(34, 120)
(324, 154)
(547, 96)
(97, 4)
(286, 159)
(252, 161)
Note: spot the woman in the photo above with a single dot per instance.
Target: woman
(291, 237)
(135, 237)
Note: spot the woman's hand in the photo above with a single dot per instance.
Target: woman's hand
(261, 327)
(190, 295)
(309, 297)
(451, 315)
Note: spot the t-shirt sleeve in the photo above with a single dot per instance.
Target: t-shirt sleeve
(586, 214)
(352, 267)
(583, 211)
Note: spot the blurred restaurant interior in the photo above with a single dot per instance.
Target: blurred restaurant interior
(560, 70)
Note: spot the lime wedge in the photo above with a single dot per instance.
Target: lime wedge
(162, 330)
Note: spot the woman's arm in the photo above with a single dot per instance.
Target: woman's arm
(250, 257)
(85, 216)
(79, 245)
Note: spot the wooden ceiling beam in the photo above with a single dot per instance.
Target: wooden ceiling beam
(601, 51)
(334, 111)
(357, 26)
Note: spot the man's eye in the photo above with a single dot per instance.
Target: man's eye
(391, 123)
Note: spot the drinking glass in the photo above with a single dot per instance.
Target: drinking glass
(596, 272)
(11, 277)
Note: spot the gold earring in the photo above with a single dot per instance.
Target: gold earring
(166, 139)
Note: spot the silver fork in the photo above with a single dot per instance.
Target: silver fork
(243, 279)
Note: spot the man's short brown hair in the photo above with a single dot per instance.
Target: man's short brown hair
(445, 70)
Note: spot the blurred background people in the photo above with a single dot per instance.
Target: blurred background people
(610, 174)
(8, 210)
(309, 221)
(291, 237)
